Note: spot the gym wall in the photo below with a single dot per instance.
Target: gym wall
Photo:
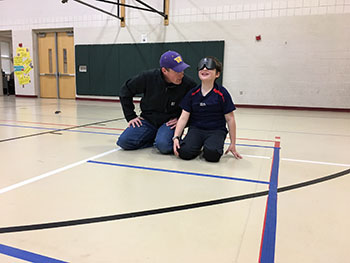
(302, 58)
(107, 67)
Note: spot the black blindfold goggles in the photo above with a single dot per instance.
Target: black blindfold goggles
(206, 63)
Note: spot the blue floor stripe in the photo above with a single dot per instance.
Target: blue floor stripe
(58, 130)
(178, 172)
(27, 256)
(106, 133)
(253, 145)
(269, 237)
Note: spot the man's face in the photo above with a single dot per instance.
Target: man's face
(172, 76)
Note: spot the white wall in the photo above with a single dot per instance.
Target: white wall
(1, 82)
(302, 60)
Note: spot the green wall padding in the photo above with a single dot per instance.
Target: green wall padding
(110, 65)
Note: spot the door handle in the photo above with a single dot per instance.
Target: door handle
(47, 74)
(67, 75)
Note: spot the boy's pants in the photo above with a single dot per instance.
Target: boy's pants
(212, 142)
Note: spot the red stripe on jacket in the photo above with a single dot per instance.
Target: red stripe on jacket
(218, 92)
(193, 93)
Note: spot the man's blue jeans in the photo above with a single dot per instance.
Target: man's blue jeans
(147, 135)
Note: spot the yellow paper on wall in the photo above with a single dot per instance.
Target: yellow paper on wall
(21, 49)
(23, 80)
(19, 73)
(27, 62)
(27, 70)
(17, 61)
(22, 65)
(26, 80)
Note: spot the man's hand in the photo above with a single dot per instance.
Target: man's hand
(135, 122)
(232, 149)
(172, 123)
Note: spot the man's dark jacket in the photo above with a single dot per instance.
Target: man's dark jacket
(160, 100)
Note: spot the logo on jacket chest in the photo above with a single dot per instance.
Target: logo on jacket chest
(173, 103)
(202, 104)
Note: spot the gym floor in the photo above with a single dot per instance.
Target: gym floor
(69, 194)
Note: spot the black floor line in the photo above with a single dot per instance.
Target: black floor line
(58, 130)
(167, 209)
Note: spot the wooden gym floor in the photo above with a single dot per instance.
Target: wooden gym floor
(69, 194)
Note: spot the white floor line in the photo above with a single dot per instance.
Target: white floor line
(37, 178)
(315, 162)
(300, 161)
(256, 156)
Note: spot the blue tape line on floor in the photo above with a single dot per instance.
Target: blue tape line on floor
(26, 255)
(179, 172)
(58, 130)
(157, 211)
(269, 237)
(253, 145)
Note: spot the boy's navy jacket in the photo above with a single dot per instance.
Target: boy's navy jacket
(208, 112)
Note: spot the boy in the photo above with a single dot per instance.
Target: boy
(206, 108)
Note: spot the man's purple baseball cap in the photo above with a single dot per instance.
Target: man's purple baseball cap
(173, 60)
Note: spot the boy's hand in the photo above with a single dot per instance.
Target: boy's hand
(232, 149)
(176, 145)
